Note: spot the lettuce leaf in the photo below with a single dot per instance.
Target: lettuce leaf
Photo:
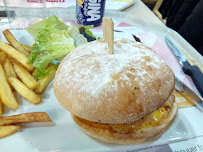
(51, 21)
(53, 41)
(87, 30)
(50, 44)
(79, 39)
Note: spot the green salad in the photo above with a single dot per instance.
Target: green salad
(53, 41)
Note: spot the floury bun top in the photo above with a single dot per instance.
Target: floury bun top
(113, 88)
(90, 12)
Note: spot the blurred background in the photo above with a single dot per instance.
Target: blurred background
(184, 16)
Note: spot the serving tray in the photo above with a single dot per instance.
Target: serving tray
(66, 135)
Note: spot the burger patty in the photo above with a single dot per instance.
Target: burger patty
(146, 123)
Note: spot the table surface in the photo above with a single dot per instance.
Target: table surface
(141, 10)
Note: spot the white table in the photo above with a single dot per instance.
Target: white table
(141, 10)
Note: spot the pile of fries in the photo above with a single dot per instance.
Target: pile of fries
(16, 75)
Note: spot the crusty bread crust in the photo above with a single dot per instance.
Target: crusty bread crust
(142, 136)
(119, 88)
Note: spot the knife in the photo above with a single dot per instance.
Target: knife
(181, 87)
(134, 36)
(192, 71)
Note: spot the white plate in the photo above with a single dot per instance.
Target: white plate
(66, 136)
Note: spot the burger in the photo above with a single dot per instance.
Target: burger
(122, 98)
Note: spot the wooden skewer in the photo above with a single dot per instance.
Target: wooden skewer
(108, 34)
(104, 28)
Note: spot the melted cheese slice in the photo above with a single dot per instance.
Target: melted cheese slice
(150, 121)
(162, 112)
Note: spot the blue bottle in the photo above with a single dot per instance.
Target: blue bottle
(90, 12)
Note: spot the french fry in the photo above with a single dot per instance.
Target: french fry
(25, 77)
(11, 39)
(12, 52)
(13, 61)
(43, 83)
(6, 122)
(1, 109)
(9, 70)
(28, 48)
(3, 57)
(24, 91)
(6, 94)
(25, 118)
(8, 130)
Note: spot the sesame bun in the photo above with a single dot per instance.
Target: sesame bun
(119, 88)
